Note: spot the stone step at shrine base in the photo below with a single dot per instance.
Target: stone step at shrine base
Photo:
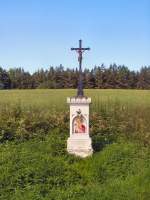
(80, 146)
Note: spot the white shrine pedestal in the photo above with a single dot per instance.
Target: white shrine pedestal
(79, 143)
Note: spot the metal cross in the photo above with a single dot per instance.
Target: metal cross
(80, 51)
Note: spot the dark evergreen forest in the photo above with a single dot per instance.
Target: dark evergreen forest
(114, 76)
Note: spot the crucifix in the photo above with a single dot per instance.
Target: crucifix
(79, 142)
(80, 50)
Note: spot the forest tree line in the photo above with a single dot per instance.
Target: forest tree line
(114, 76)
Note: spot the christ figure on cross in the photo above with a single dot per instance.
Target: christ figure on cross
(80, 51)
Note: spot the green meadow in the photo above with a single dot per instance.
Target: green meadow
(34, 164)
(56, 98)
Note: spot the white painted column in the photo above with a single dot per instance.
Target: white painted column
(79, 142)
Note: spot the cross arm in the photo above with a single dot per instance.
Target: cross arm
(74, 49)
(82, 49)
(86, 48)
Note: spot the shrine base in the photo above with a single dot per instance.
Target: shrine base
(80, 146)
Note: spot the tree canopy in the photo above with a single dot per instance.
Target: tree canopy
(114, 76)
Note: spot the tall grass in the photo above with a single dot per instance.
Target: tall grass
(34, 164)
(123, 112)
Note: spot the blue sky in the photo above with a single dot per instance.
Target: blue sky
(40, 33)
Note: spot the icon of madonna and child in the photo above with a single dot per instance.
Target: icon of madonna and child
(79, 123)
